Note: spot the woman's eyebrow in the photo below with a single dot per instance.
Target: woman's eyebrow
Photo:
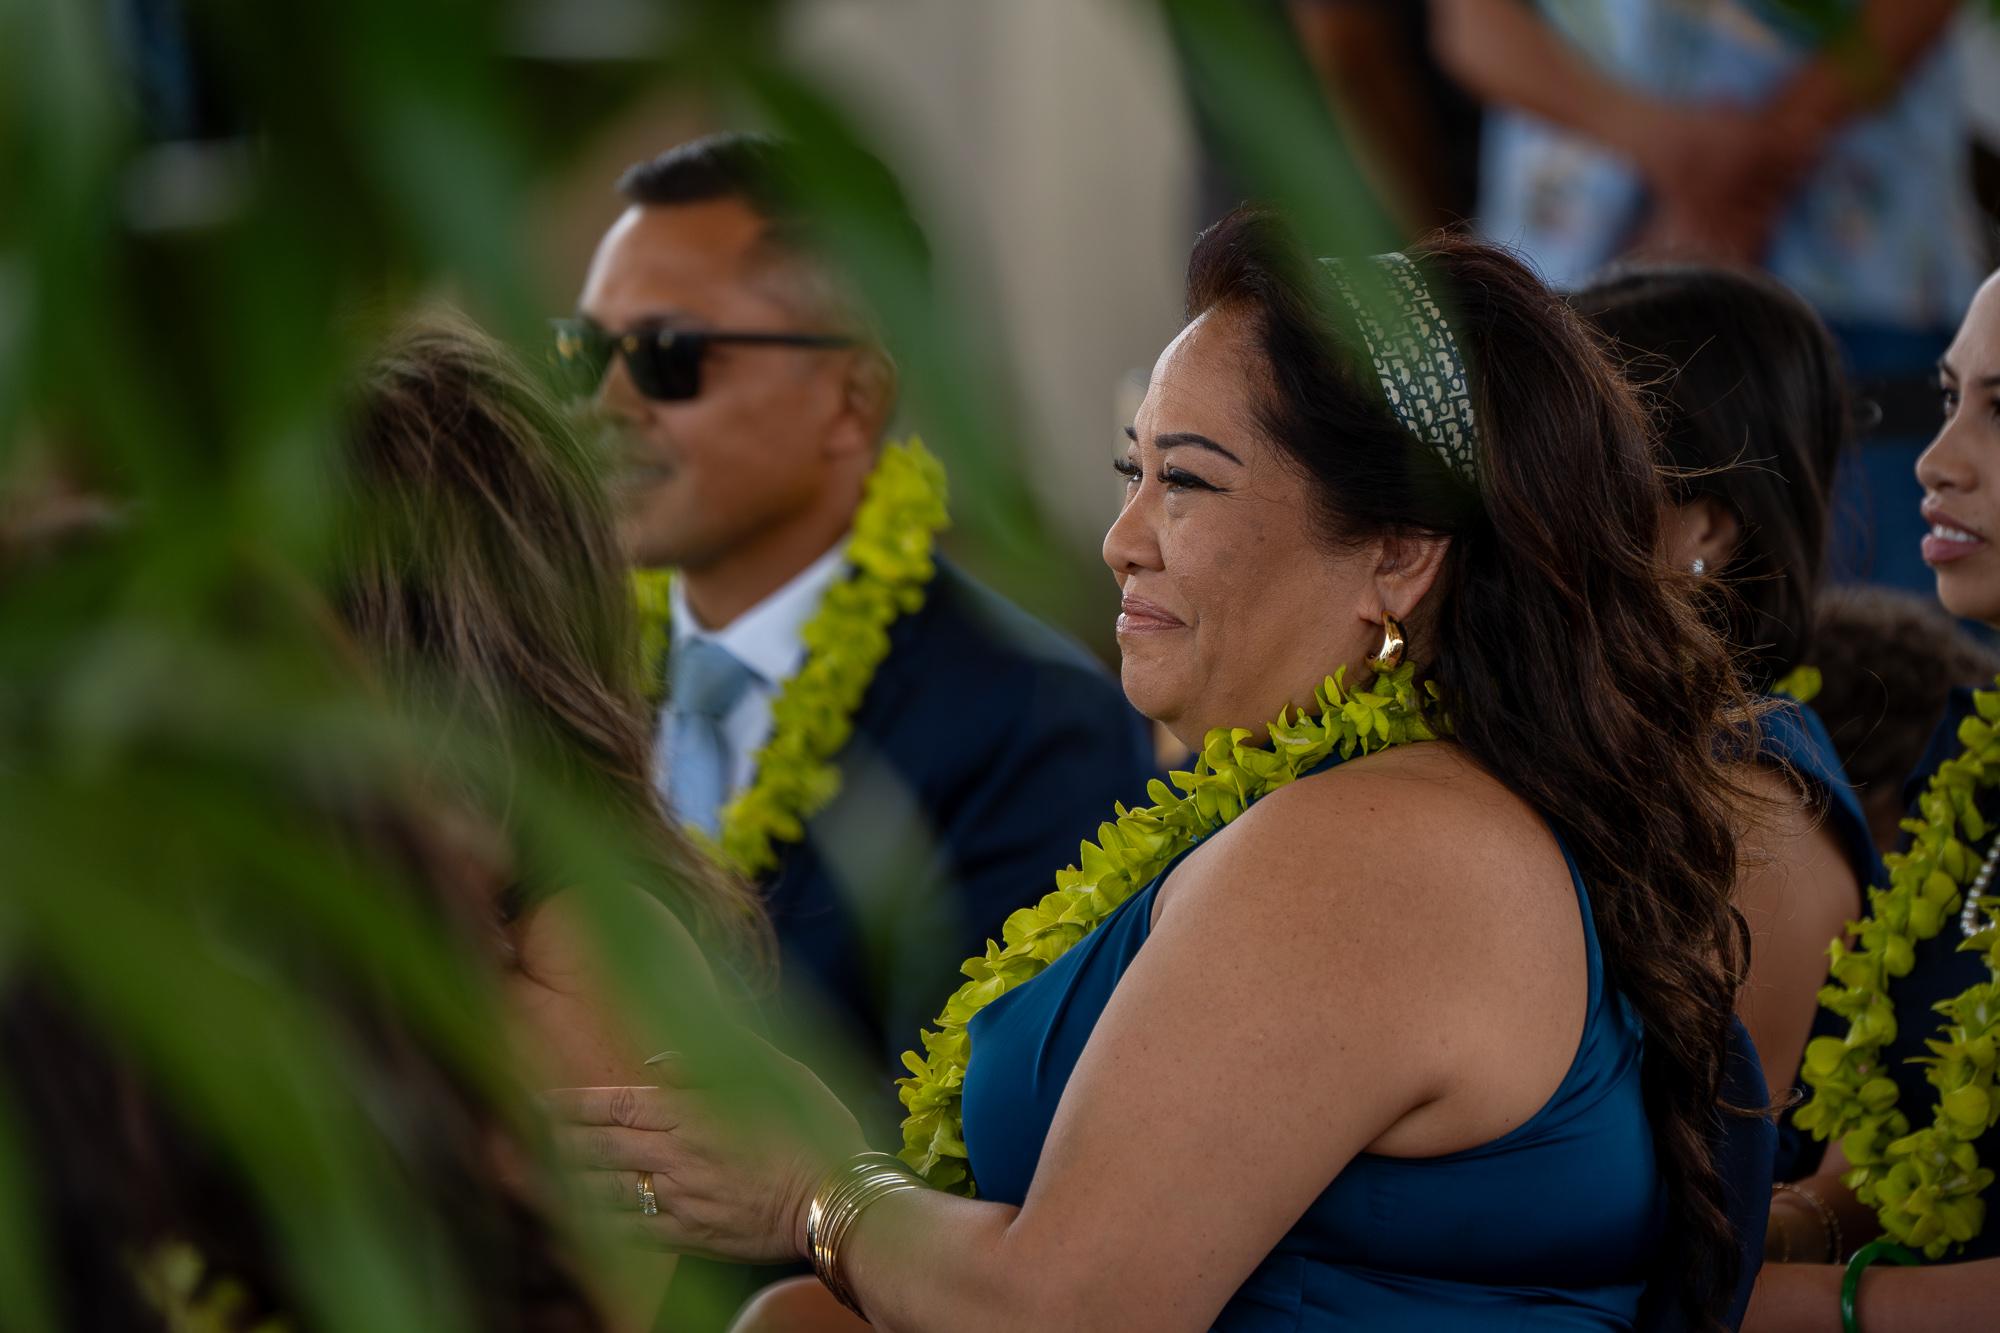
(1177, 438)
(1983, 382)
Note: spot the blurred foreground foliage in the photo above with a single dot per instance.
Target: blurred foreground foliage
(177, 710)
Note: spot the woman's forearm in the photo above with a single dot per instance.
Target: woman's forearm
(922, 1261)
(1942, 1298)
(1503, 51)
(1853, 76)
(927, 1262)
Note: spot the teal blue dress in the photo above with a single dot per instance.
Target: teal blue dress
(1550, 1226)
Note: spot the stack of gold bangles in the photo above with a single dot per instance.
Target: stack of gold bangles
(850, 1188)
(1829, 1225)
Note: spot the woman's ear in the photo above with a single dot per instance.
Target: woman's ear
(1405, 570)
(1703, 529)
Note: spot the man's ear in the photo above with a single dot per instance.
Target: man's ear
(868, 400)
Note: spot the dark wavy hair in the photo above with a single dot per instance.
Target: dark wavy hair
(1751, 409)
(1575, 673)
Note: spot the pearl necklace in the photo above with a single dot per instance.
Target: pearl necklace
(1968, 916)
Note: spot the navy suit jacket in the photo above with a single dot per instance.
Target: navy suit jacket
(986, 748)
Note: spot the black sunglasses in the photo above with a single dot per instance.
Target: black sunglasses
(665, 364)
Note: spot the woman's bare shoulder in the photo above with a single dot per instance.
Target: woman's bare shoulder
(1418, 841)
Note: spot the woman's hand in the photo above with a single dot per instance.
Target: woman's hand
(734, 1157)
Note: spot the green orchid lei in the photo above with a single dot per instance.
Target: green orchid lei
(892, 550)
(1129, 852)
(1925, 1186)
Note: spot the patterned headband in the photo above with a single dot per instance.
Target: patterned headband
(1417, 360)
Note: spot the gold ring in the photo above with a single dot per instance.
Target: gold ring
(649, 1202)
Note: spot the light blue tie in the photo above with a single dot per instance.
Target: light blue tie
(704, 682)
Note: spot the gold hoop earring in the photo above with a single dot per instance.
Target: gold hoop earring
(1393, 643)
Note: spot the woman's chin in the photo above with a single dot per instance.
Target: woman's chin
(1970, 594)
(1152, 695)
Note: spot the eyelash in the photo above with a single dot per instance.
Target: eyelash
(1172, 478)
(1949, 402)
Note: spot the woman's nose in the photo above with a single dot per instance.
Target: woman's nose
(1130, 543)
(1947, 465)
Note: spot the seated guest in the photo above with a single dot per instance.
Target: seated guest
(1906, 1090)
(896, 754)
(1887, 660)
(1418, 1018)
(494, 600)
(475, 579)
(485, 600)
(1750, 411)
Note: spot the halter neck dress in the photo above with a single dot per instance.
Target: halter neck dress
(1550, 1226)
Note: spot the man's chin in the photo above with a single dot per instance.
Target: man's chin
(644, 553)
(652, 529)
(646, 543)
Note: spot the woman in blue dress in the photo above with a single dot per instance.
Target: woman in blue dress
(1434, 1038)
(1960, 475)
(1747, 395)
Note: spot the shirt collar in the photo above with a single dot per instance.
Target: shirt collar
(769, 637)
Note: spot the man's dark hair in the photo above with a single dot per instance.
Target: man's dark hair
(804, 204)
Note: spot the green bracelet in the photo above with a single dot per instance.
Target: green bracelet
(1873, 1252)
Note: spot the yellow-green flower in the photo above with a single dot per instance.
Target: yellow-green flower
(1926, 1185)
(1800, 684)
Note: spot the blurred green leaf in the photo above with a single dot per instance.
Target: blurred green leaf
(24, 1266)
(176, 322)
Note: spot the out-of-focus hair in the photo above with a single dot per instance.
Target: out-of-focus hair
(1751, 410)
(480, 568)
(1887, 660)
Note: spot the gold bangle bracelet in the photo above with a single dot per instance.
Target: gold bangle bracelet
(838, 1203)
(1829, 1221)
(1778, 1229)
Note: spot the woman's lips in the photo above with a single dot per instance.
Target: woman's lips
(1139, 616)
(1949, 540)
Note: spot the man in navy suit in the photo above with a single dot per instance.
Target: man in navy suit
(987, 745)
